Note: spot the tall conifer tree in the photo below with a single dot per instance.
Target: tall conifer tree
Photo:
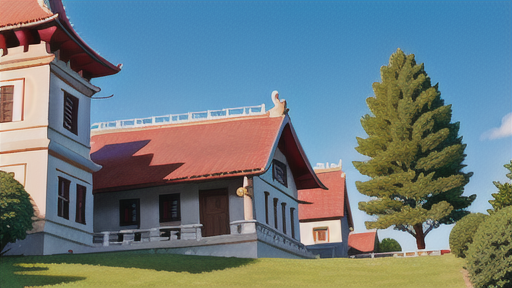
(415, 154)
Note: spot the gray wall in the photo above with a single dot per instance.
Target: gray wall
(106, 205)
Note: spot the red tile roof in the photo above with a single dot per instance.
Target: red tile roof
(16, 12)
(364, 242)
(195, 151)
(26, 22)
(326, 204)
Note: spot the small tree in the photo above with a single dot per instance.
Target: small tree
(490, 255)
(16, 211)
(504, 196)
(463, 232)
(389, 245)
(416, 154)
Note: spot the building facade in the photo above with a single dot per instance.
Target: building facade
(45, 73)
(222, 186)
(325, 216)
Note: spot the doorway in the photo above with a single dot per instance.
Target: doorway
(214, 212)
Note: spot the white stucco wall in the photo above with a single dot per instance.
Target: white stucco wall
(334, 227)
(79, 143)
(76, 176)
(24, 142)
(36, 85)
(288, 195)
(30, 170)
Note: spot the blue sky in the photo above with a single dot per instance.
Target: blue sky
(322, 57)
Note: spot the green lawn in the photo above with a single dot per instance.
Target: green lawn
(129, 269)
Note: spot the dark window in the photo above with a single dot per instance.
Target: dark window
(129, 211)
(275, 213)
(266, 207)
(63, 198)
(292, 221)
(80, 204)
(279, 172)
(283, 212)
(170, 207)
(71, 113)
(6, 103)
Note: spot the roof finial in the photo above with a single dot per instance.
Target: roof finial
(279, 108)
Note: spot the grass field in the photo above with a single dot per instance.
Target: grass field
(129, 269)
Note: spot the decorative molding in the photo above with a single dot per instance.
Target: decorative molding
(60, 152)
(26, 63)
(73, 79)
(73, 176)
(24, 150)
(23, 128)
(17, 165)
(279, 108)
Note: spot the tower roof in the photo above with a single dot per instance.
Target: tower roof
(26, 22)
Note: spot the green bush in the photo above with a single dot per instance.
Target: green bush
(16, 211)
(490, 255)
(463, 232)
(389, 245)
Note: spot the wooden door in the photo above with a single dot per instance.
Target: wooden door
(214, 212)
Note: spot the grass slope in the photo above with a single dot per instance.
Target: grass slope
(164, 270)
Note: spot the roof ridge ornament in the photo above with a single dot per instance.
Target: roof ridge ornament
(279, 108)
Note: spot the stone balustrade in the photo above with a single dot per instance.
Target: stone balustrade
(280, 240)
(135, 236)
(181, 118)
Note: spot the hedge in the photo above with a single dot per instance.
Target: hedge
(490, 255)
(463, 231)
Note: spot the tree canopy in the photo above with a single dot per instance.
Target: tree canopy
(504, 196)
(389, 245)
(16, 210)
(415, 153)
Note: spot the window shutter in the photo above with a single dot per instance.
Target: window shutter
(6, 103)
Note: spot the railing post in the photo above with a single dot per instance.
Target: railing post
(198, 233)
(106, 238)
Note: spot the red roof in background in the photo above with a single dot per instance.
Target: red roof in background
(26, 22)
(193, 151)
(15, 12)
(364, 242)
(326, 203)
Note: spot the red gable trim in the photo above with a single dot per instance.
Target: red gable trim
(100, 67)
(288, 143)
